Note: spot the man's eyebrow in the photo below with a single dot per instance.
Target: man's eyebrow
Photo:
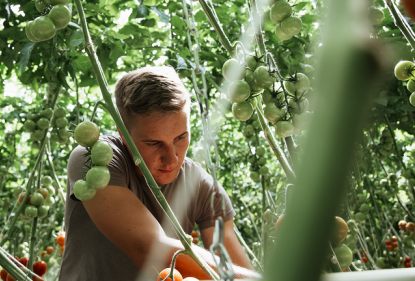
(161, 141)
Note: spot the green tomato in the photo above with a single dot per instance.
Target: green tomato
(44, 192)
(60, 112)
(405, 70)
(267, 97)
(251, 62)
(281, 34)
(43, 123)
(43, 28)
(359, 217)
(32, 116)
(279, 11)
(28, 31)
(98, 177)
(30, 211)
(49, 201)
(86, 134)
(46, 257)
(298, 88)
(297, 106)
(82, 191)
(42, 211)
(411, 85)
(344, 255)
(238, 91)
(232, 70)
(302, 120)
(242, 111)
(260, 151)
(47, 113)
(291, 26)
(61, 122)
(101, 153)
(64, 134)
(29, 125)
(40, 6)
(284, 129)
(381, 262)
(273, 114)
(264, 170)
(36, 199)
(17, 190)
(54, 137)
(58, 2)
(262, 161)
(254, 176)
(37, 135)
(51, 190)
(262, 77)
(46, 181)
(60, 15)
(412, 99)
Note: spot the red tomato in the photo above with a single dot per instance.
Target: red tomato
(394, 239)
(395, 244)
(407, 259)
(390, 247)
(24, 261)
(409, 6)
(165, 272)
(364, 259)
(387, 242)
(10, 278)
(408, 264)
(3, 275)
(35, 278)
(60, 240)
(40, 268)
(43, 253)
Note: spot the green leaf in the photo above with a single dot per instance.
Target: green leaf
(116, 51)
(300, 6)
(25, 55)
(74, 25)
(82, 63)
(61, 78)
(181, 63)
(309, 18)
(200, 16)
(142, 12)
(77, 38)
(148, 23)
(178, 22)
(163, 17)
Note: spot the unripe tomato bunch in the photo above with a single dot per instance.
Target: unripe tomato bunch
(288, 25)
(288, 113)
(56, 16)
(38, 203)
(38, 121)
(384, 147)
(258, 162)
(100, 152)
(405, 71)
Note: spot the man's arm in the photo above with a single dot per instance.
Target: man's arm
(127, 223)
(232, 244)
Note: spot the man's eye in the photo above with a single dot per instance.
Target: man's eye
(152, 143)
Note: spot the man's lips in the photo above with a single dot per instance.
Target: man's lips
(166, 171)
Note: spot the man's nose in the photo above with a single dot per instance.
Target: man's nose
(169, 157)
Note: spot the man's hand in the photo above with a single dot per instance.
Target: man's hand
(127, 223)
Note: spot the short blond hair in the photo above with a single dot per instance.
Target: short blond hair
(150, 90)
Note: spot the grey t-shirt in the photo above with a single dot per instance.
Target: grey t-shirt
(89, 255)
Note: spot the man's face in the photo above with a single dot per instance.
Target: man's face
(162, 140)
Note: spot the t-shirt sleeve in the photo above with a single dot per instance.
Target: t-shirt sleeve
(77, 170)
(204, 212)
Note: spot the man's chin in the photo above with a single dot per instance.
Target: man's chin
(163, 179)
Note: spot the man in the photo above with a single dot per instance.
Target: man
(117, 235)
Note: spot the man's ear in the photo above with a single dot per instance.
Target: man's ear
(122, 137)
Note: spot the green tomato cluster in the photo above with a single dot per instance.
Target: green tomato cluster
(38, 203)
(23, 249)
(59, 133)
(87, 134)
(385, 146)
(44, 27)
(287, 25)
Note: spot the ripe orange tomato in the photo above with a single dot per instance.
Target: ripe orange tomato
(24, 261)
(10, 278)
(60, 240)
(409, 6)
(195, 234)
(165, 272)
(49, 250)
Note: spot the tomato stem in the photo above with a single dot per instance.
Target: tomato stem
(32, 243)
